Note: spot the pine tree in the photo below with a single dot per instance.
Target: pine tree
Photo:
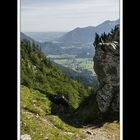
(96, 39)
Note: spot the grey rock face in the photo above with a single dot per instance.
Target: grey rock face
(106, 66)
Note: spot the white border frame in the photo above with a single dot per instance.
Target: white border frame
(121, 69)
(18, 68)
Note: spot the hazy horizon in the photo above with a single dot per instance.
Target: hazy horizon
(65, 15)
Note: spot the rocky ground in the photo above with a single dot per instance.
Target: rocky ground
(109, 131)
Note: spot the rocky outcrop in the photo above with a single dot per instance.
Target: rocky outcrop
(106, 66)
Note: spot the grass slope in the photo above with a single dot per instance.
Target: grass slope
(37, 121)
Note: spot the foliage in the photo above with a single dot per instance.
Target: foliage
(88, 110)
(107, 37)
(34, 101)
(38, 73)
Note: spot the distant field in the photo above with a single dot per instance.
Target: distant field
(86, 63)
(61, 56)
(77, 64)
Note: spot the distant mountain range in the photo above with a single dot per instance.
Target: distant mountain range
(87, 34)
(45, 36)
(78, 35)
(78, 43)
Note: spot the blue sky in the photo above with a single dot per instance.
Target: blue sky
(65, 15)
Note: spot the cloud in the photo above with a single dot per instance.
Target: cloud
(62, 15)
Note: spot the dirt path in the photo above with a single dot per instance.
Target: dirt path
(109, 131)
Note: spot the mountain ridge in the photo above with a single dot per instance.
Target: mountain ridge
(87, 34)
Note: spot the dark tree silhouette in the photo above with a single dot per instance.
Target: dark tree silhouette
(96, 39)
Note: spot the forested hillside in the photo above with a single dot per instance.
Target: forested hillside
(38, 73)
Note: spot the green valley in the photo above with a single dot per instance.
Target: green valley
(41, 85)
(60, 98)
(37, 72)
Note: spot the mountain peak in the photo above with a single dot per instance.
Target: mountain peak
(87, 34)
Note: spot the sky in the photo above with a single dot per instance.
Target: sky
(65, 15)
